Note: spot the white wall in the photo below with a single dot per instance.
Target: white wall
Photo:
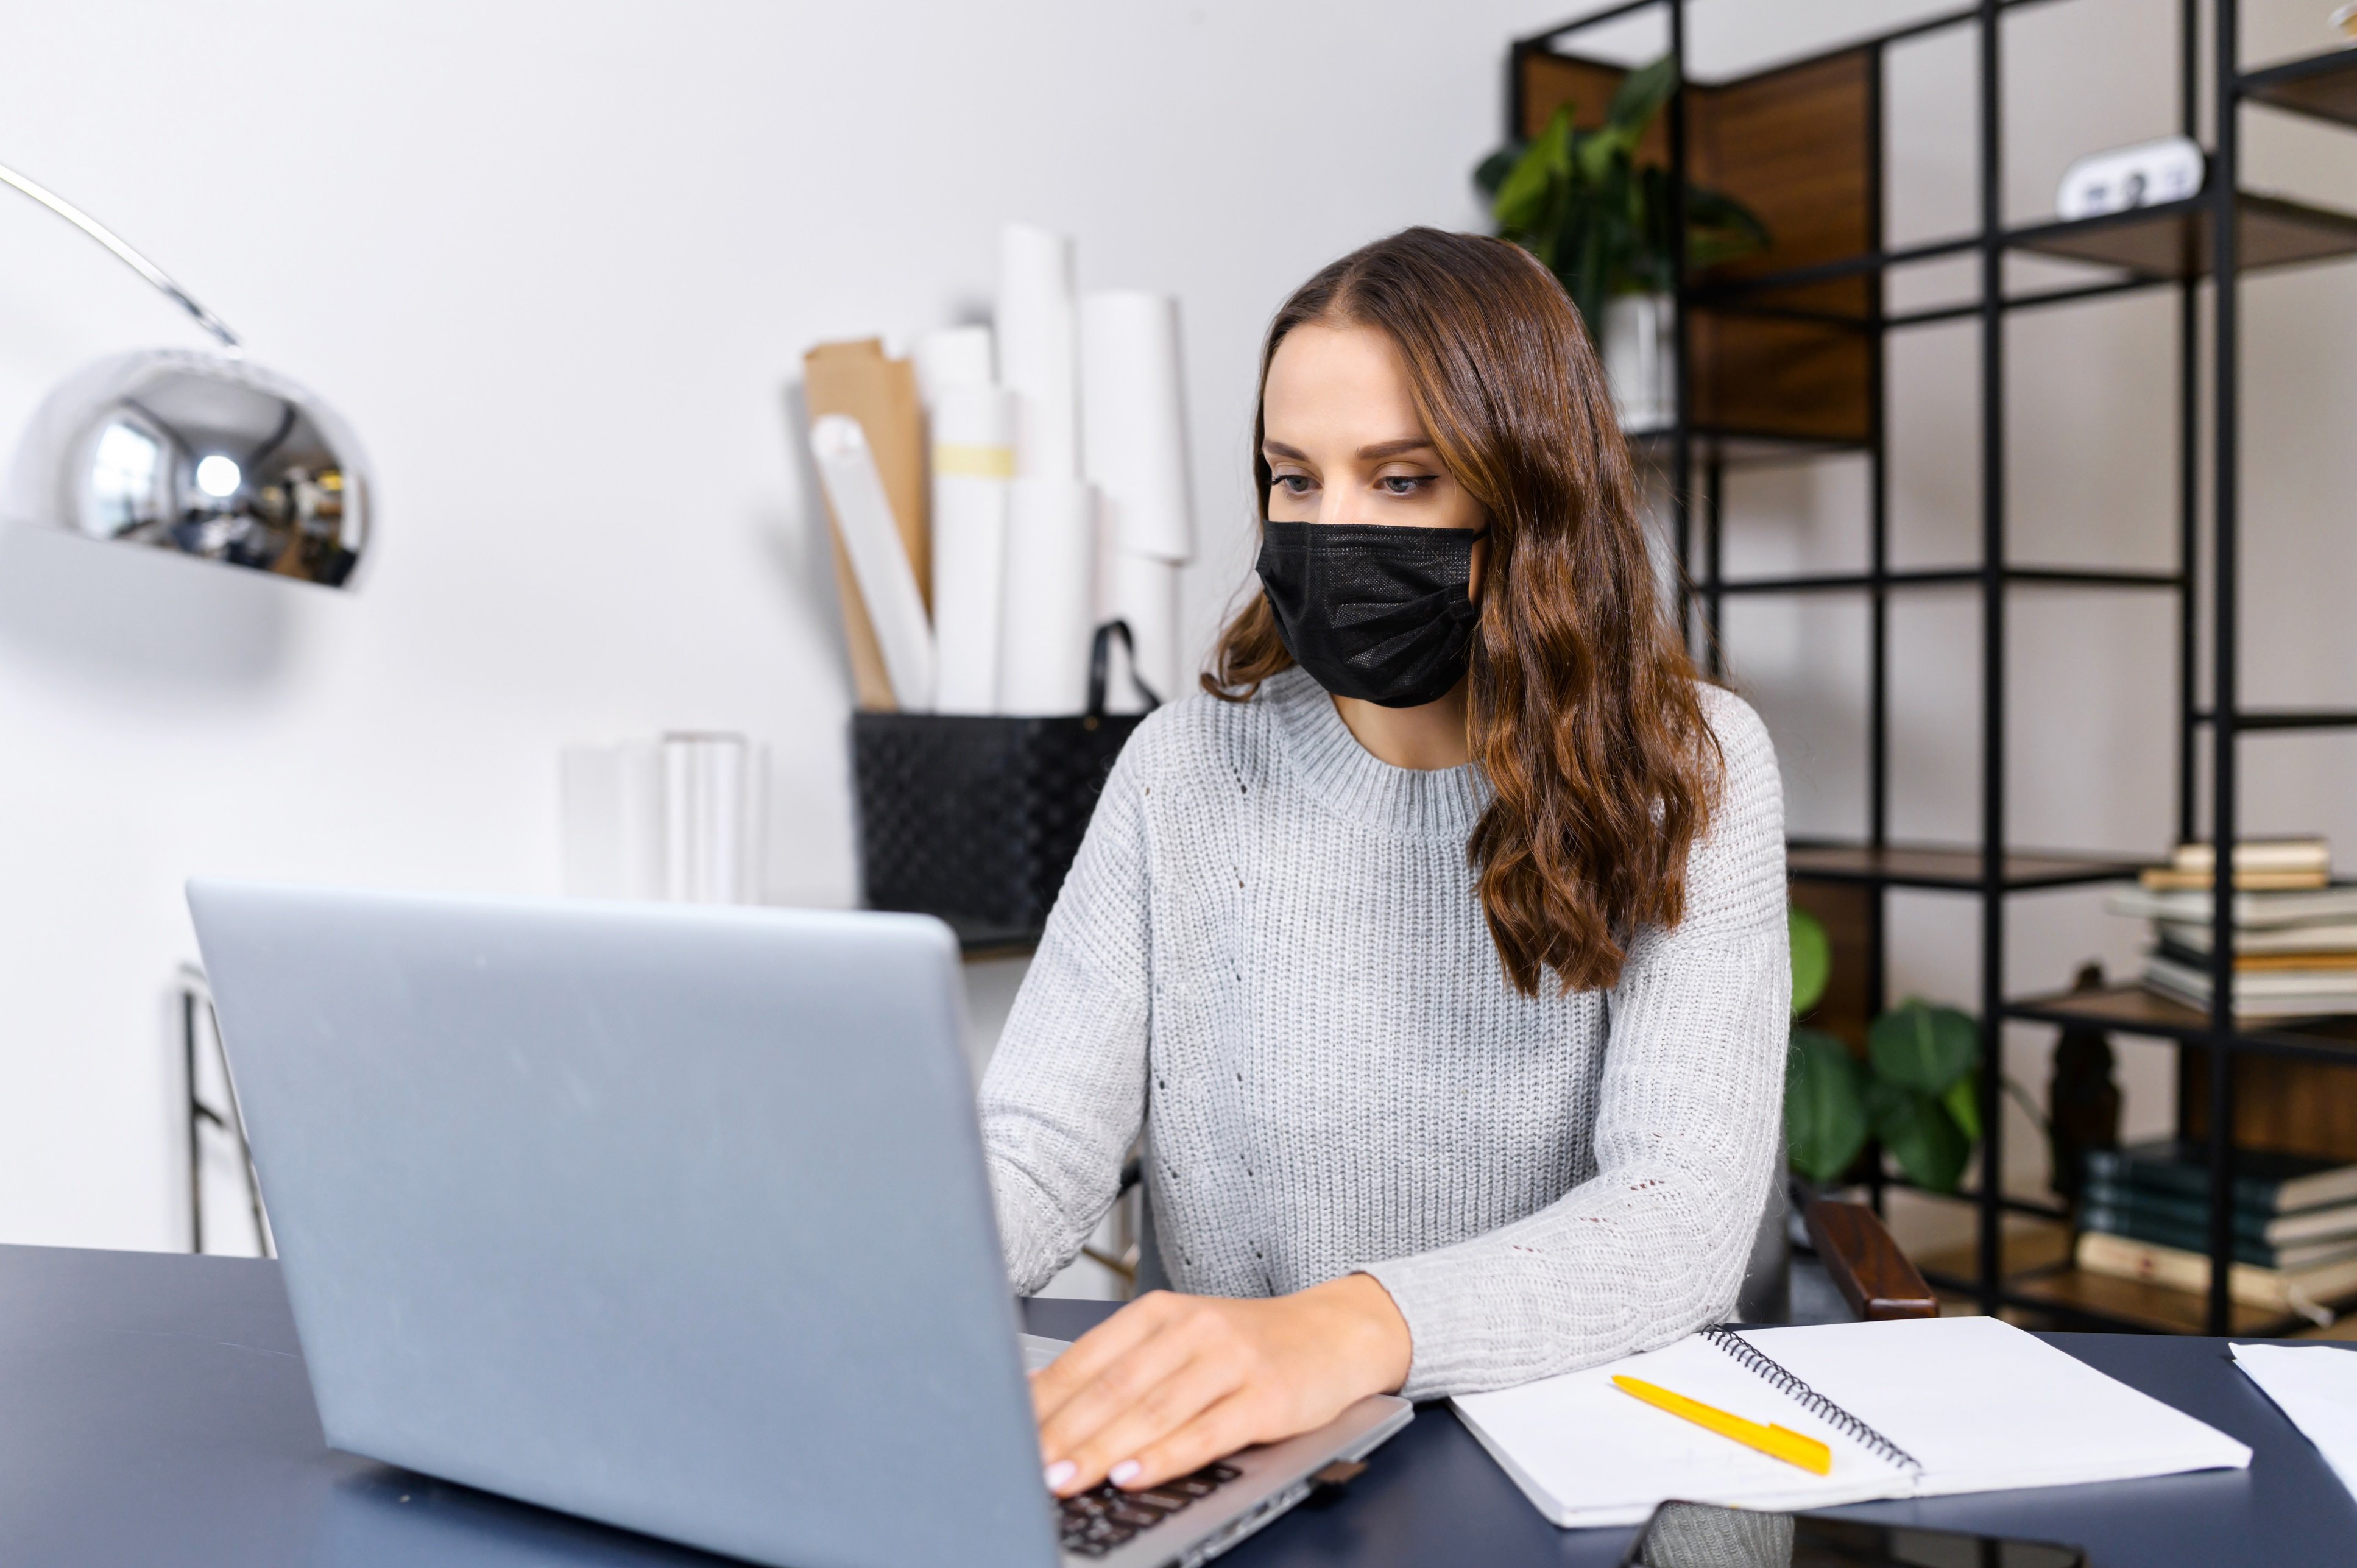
(557, 264)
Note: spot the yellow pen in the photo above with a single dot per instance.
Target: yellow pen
(1777, 1442)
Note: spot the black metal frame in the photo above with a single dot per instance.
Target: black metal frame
(1704, 593)
(197, 1005)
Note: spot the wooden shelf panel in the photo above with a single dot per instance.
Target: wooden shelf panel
(1738, 449)
(2151, 1306)
(2172, 242)
(2322, 85)
(1919, 865)
(2134, 1010)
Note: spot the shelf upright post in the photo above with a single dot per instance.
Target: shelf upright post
(1714, 563)
(1877, 523)
(2189, 452)
(2226, 698)
(1878, 558)
(1682, 425)
(1993, 661)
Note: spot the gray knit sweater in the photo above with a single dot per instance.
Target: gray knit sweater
(1270, 956)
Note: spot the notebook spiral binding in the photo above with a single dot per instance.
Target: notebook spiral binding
(1769, 1370)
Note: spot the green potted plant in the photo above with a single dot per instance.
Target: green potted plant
(1580, 201)
(1916, 1091)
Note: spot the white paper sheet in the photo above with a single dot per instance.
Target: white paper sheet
(974, 455)
(1039, 350)
(1133, 420)
(879, 562)
(1979, 1405)
(953, 356)
(2315, 1386)
(1045, 626)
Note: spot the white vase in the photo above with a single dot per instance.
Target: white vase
(1641, 361)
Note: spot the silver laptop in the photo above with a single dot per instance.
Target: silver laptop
(673, 1217)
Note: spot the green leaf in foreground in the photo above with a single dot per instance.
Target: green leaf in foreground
(1925, 1141)
(1824, 1106)
(1812, 960)
(1920, 1047)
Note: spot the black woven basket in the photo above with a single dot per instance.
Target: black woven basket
(976, 818)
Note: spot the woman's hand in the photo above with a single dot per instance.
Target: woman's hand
(1172, 1382)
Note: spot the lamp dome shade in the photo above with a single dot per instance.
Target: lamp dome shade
(199, 453)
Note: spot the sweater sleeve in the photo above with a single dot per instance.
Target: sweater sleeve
(1655, 1244)
(1065, 1092)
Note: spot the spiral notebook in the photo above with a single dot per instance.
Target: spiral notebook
(1915, 1409)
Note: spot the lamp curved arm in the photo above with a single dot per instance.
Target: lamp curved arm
(129, 257)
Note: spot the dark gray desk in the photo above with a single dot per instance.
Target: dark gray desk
(154, 1409)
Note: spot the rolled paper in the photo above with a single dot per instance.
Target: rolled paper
(888, 587)
(1146, 595)
(1037, 354)
(708, 798)
(1045, 623)
(973, 458)
(953, 356)
(1133, 420)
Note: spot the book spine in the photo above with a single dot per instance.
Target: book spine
(2117, 1167)
(2190, 1238)
(2169, 1208)
(2175, 1270)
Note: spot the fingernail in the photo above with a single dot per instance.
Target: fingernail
(1060, 1473)
(1126, 1472)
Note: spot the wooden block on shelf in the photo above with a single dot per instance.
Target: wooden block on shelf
(2290, 1104)
(1849, 912)
(1794, 144)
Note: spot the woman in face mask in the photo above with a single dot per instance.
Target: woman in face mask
(1437, 949)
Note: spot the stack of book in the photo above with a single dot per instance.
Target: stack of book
(2145, 1215)
(2294, 929)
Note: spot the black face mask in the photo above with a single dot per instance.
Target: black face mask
(1374, 612)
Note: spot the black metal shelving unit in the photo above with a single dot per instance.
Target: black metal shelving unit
(2219, 234)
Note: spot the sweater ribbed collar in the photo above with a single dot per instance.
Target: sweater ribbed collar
(1405, 802)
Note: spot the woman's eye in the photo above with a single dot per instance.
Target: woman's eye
(1293, 484)
(1404, 484)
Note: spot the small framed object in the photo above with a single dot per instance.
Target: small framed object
(2146, 175)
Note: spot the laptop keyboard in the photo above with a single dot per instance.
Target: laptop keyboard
(1103, 1518)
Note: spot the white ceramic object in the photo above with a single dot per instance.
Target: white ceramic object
(1641, 361)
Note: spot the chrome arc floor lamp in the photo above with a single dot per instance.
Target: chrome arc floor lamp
(203, 453)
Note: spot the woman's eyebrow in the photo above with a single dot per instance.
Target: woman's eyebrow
(1279, 449)
(1399, 448)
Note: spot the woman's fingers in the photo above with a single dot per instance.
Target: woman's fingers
(1100, 1347)
(1113, 1450)
(1151, 1385)
(1217, 1431)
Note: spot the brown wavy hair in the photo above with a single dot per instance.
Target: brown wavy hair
(1583, 705)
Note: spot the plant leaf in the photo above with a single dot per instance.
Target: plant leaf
(1824, 1112)
(1962, 1099)
(1524, 191)
(1490, 172)
(1812, 959)
(1924, 1139)
(1923, 1047)
(1642, 94)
